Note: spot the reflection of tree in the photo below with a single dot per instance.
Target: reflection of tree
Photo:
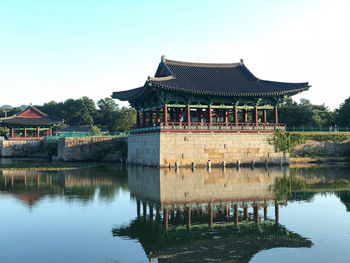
(302, 184)
(73, 185)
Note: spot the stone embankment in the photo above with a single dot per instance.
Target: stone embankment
(85, 148)
(17, 148)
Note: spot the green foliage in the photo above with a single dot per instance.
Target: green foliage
(95, 130)
(4, 131)
(305, 114)
(119, 148)
(286, 142)
(343, 113)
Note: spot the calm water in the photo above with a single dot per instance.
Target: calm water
(141, 215)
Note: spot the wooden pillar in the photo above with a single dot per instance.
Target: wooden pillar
(277, 213)
(11, 133)
(25, 133)
(151, 212)
(157, 116)
(235, 115)
(226, 117)
(144, 119)
(138, 119)
(264, 116)
(165, 216)
(210, 116)
(188, 115)
(265, 212)
(276, 115)
(246, 215)
(210, 215)
(150, 118)
(178, 115)
(138, 207)
(227, 212)
(37, 132)
(25, 180)
(188, 216)
(12, 182)
(245, 116)
(256, 118)
(257, 207)
(144, 210)
(235, 207)
(50, 132)
(200, 115)
(165, 114)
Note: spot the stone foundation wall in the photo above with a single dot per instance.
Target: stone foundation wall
(81, 148)
(19, 148)
(164, 149)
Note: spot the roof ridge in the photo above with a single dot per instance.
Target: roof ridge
(161, 78)
(199, 64)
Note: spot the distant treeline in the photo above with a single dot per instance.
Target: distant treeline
(107, 115)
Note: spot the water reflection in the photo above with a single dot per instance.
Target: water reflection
(197, 216)
(81, 185)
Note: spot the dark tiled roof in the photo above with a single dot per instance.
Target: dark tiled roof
(212, 79)
(17, 119)
(28, 121)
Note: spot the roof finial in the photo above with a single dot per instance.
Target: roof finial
(241, 61)
(162, 59)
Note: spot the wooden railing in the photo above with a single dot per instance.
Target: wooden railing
(213, 127)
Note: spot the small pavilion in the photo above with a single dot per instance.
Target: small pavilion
(29, 124)
(209, 97)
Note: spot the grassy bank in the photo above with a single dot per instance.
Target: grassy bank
(313, 144)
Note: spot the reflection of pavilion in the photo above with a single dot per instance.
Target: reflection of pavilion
(32, 185)
(200, 215)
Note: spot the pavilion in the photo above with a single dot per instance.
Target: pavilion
(196, 113)
(206, 97)
(29, 124)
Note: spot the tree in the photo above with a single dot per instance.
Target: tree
(343, 113)
(107, 109)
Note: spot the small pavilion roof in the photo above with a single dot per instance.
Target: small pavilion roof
(30, 116)
(233, 79)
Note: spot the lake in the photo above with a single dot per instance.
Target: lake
(134, 214)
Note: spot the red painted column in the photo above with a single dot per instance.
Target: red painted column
(37, 132)
(165, 114)
(165, 215)
(226, 117)
(246, 214)
(245, 116)
(188, 217)
(210, 116)
(227, 212)
(265, 212)
(235, 115)
(276, 115)
(264, 116)
(200, 115)
(11, 133)
(277, 213)
(210, 215)
(138, 119)
(25, 133)
(256, 116)
(236, 213)
(179, 115)
(257, 213)
(188, 115)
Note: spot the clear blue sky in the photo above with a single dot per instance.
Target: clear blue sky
(60, 49)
